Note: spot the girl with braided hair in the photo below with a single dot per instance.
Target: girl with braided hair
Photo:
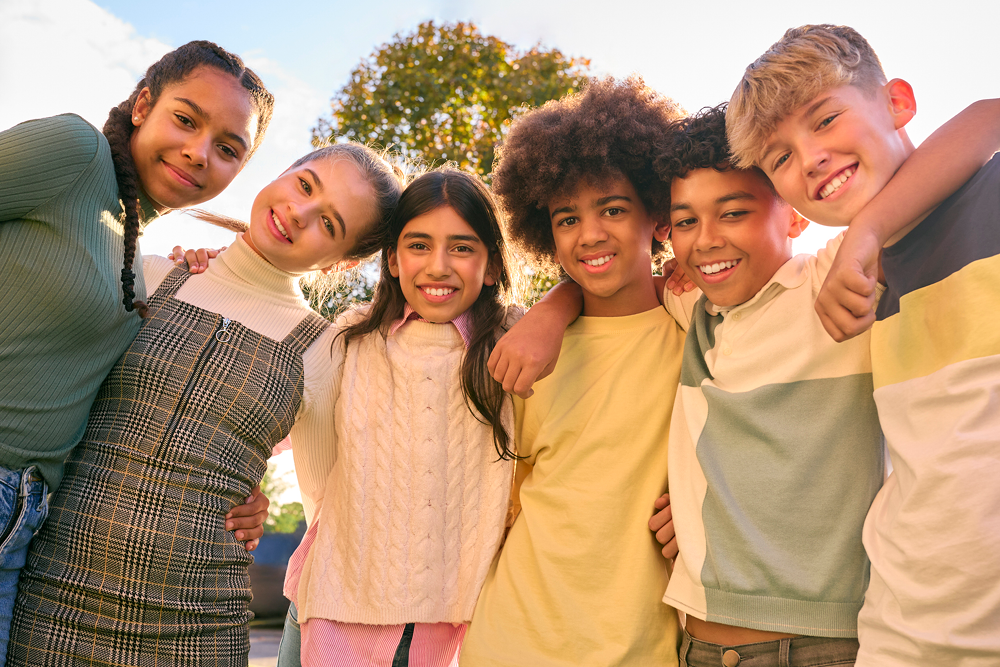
(134, 566)
(72, 204)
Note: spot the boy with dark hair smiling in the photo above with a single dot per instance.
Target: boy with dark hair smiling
(775, 448)
(577, 580)
(817, 114)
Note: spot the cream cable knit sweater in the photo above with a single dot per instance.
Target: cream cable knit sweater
(413, 505)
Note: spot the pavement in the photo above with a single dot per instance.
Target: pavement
(264, 641)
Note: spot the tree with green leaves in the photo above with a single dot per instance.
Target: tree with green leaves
(447, 93)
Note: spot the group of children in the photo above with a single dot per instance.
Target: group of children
(410, 454)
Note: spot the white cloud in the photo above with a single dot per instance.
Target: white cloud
(59, 56)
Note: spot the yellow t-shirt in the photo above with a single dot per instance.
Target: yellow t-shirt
(580, 578)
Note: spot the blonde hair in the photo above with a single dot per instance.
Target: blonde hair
(386, 177)
(805, 62)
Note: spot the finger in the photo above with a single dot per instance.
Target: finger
(525, 380)
(660, 519)
(177, 254)
(662, 501)
(191, 257)
(252, 544)
(256, 503)
(202, 256)
(212, 253)
(246, 522)
(249, 533)
(500, 366)
(670, 550)
(665, 533)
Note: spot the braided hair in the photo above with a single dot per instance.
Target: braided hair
(171, 68)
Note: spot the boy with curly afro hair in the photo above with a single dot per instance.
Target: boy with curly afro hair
(579, 580)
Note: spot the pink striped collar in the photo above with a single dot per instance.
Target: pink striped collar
(463, 323)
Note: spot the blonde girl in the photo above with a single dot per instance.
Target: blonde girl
(134, 565)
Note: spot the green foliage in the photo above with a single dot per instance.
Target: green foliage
(281, 517)
(447, 93)
(352, 288)
(538, 285)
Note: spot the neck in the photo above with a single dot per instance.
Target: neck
(631, 299)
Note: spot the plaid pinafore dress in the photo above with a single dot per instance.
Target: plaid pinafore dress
(134, 565)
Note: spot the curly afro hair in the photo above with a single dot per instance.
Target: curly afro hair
(699, 142)
(610, 129)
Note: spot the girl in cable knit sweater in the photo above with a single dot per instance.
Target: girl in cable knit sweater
(410, 500)
(134, 565)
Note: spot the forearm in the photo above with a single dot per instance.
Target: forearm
(940, 166)
(560, 306)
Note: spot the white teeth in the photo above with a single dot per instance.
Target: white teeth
(599, 261)
(439, 291)
(277, 223)
(710, 269)
(835, 184)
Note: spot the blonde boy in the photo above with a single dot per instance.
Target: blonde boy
(818, 116)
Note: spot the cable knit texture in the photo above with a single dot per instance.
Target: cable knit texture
(413, 511)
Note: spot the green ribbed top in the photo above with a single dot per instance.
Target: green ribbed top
(62, 322)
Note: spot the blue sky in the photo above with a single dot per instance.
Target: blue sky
(82, 56)
(74, 55)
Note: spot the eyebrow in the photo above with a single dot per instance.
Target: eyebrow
(204, 114)
(600, 202)
(809, 112)
(736, 195)
(468, 238)
(319, 186)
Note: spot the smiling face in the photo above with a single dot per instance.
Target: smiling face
(191, 144)
(730, 232)
(831, 156)
(310, 217)
(441, 263)
(603, 237)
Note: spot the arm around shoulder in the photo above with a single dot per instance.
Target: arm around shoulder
(530, 350)
(932, 173)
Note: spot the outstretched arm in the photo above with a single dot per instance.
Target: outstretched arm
(529, 351)
(941, 165)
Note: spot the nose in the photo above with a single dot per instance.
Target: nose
(196, 150)
(438, 265)
(815, 156)
(301, 213)
(708, 237)
(592, 230)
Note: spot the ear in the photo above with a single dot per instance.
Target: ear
(393, 262)
(340, 266)
(661, 232)
(798, 224)
(141, 108)
(492, 271)
(902, 103)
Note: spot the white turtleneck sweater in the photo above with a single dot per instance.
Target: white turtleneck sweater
(241, 285)
(412, 508)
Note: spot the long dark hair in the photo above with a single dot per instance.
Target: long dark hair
(171, 68)
(468, 197)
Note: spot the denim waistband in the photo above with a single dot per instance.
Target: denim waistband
(793, 652)
(20, 479)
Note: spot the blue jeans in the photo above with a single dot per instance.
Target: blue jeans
(796, 652)
(24, 505)
(290, 647)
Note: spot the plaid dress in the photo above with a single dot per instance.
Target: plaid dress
(134, 565)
